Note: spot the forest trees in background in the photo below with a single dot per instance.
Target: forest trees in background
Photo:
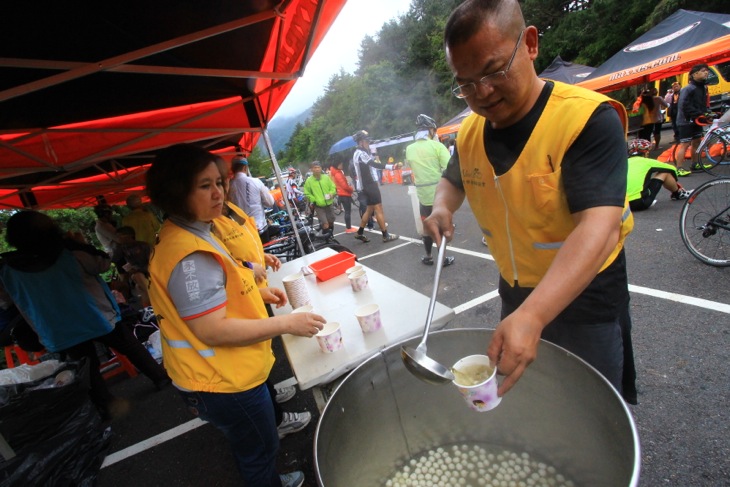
(402, 70)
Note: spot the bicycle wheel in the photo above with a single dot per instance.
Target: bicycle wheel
(715, 157)
(337, 206)
(704, 223)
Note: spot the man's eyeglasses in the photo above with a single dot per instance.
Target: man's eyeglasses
(493, 79)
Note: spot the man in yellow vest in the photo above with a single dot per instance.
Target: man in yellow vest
(543, 165)
(145, 223)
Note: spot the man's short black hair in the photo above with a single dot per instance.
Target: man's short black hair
(698, 67)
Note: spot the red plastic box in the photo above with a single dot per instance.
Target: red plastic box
(332, 266)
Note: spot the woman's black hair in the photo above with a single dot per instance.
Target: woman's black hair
(35, 233)
(647, 100)
(171, 177)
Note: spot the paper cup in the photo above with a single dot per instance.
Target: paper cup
(296, 290)
(330, 337)
(369, 318)
(352, 269)
(358, 280)
(476, 381)
(307, 308)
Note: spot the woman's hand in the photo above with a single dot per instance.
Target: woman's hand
(304, 324)
(272, 261)
(273, 295)
(259, 272)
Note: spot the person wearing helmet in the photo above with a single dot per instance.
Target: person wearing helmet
(428, 158)
(292, 189)
(647, 176)
(365, 166)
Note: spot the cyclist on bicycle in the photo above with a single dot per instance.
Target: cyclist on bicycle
(692, 105)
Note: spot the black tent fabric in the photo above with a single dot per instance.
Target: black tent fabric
(673, 46)
(567, 72)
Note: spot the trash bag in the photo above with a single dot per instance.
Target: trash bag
(154, 346)
(54, 429)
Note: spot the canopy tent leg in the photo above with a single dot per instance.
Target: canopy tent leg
(277, 173)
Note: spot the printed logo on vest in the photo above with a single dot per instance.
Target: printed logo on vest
(473, 177)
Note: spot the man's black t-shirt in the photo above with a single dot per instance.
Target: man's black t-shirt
(593, 174)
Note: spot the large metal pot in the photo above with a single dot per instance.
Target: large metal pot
(561, 410)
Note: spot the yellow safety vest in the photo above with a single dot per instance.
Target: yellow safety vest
(524, 213)
(241, 240)
(192, 364)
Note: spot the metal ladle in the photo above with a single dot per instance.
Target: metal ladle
(415, 359)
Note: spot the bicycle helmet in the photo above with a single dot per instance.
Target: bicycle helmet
(425, 122)
(639, 146)
(361, 135)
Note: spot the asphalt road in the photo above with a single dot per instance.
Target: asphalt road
(680, 309)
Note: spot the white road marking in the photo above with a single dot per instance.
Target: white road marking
(476, 302)
(152, 442)
(681, 298)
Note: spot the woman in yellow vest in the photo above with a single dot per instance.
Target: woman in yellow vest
(216, 334)
(239, 233)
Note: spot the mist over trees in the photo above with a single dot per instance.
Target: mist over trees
(402, 70)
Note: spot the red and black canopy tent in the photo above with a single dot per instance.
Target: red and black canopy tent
(90, 90)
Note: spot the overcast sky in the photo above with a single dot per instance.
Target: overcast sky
(339, 49)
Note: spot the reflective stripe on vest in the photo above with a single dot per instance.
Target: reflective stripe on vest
(209, 352)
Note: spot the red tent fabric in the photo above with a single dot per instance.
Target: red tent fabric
(109, 83)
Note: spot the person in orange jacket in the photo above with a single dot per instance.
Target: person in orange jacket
(344, 192)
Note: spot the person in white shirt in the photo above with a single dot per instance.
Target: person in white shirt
(251, 195)
(105, 229)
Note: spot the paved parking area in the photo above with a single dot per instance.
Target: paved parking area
(681, 316)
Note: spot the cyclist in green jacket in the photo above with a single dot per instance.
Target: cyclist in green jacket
(320, 190)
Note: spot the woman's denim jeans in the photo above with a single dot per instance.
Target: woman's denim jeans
(247, 420)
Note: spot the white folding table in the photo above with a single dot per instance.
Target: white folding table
(403, 312)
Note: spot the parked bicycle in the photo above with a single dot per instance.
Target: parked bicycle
(285, 245)
(337, 206)
(713, 150)
(704, 223)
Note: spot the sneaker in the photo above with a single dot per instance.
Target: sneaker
(682, 172)
(681, 194)
(700, 167)
(351, 230)
(283, 394)
(484, 240)
(428, 260)
(362, 238)
(390, 237)
(293, 422)
(292, 479)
